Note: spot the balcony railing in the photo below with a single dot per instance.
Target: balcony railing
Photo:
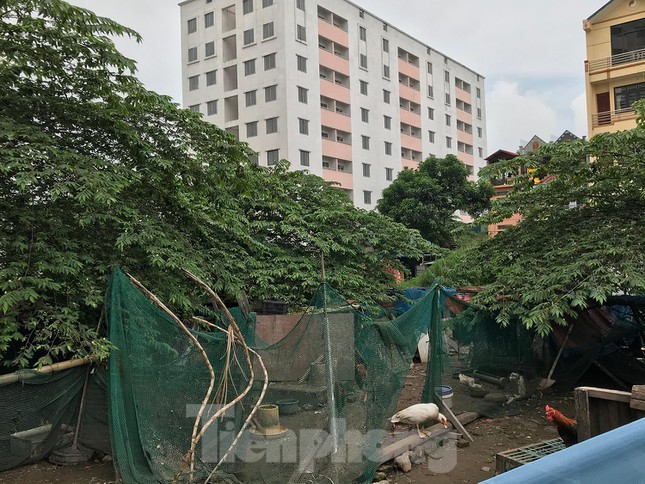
(615, 60)
(610, 117)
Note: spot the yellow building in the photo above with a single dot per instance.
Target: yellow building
(615, 65)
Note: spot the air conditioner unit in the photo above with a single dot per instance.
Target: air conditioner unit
(324, 135)
(339, 110)
(341, 167)
(324, 106)
(340, 139)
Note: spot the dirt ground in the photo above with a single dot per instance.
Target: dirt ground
(474, 462)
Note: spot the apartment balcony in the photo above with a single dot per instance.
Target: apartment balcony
(332, 32)
(333, 61)
(336, 120)
(406, 92)
(626, 59)
(334, 91)
(465, 137)
(406, 163)
(466, 158)
(411, 142)
(336, 149)
(408, 117)
(344, 178)
(463, 95)
(610, 118)
(464, 116)
(408, 69)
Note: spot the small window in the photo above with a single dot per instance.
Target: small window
(251, 129)
(211, 78)
(269, 62)
(479, 113)
(448, 142)
(430, 113)
(249, 67)
(389, 174)
(300, 5)
(386, 96)
(479, 132)
(302, 95)
(362, 33)
(250, 98)
(273, 156)
(430, 68)
(304, 158)
(254, 159)
(270, 93)
(448, 119)
(192, 25)
(446, 76)
(211, 107)
(386, 71)
(209, 20)
(386, 45)
(481, 152)
(365, 142)
(302, 63)
(209, 49)
(194, 108)
(362, 59)
(192, 54)
(479, 93)
(387, 122)
(363, 85)
(430, 91)
(249, 36)
(247, 6)
(366, 170)
(301, 33)
(388, 148)
(448, 99)
(271, 125)
(365, 115)
(267, 3)
(193, 83)
(431, 136)
(267, 30)
(367, 197)
(303, 126)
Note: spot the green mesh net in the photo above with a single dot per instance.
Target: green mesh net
(158, 379)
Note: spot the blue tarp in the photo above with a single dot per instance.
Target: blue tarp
(615, 456)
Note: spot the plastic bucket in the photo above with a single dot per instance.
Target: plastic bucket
(446, 394)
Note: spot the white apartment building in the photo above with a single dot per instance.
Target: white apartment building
(330, 87)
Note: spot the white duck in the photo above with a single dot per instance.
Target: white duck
(418, 414)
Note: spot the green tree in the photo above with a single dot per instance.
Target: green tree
(427, 198)
(97, 171)
(582, 234)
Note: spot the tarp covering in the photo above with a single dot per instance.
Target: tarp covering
(615, 456)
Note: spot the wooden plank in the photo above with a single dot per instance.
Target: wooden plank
(613, 415)
(637, 404)
(638, 392)
(605, 394)
(452, 417)
(582, 413)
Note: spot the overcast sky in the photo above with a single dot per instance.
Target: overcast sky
(531, 53)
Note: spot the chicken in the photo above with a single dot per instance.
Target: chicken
(418, 414)
(567, 427)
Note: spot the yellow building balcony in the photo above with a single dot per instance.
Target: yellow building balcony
(626, 59)
(611, 118)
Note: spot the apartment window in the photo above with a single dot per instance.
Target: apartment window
(387, 122)
(303, 95)
(431, 91)
(479, 113)
(269, 62)
(386, 96)
(271, 125)
(251, 129)
(254, 159)
(448, 142)
(448, 119)
(389, 174)
(300, 5)
(209, 49)
(301, 33)
(267, 30)
(430, 68)
(367, 197)
(365, 142)
(366, 170)
(192, 54)
(302, 63)
(211, 107)
(430, 113)
(362, 33)
(388, 148)
(193, 83)
(211, 77)
(250, 98)
(273, 156)
(625, 96)
(270, 93)
(363, 85)
(194, 108)
(446, 76)
(304, 158)
(303, 126)
(249, 36)
(249, 67)
(481, 152)
(365, 115)
(362, 60)
(192, 25)
(386, 71)
(479, 93)
(267, 3)
(386, 45)
(247, 6)
(209, 20)
(448, 99)
(431, 136)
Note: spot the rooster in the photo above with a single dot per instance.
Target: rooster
(567, 427)
(418, 414)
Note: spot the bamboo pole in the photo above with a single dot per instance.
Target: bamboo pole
(24, 375)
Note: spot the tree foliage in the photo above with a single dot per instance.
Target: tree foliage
(582, 234)
(427, 198)
(97, 171)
